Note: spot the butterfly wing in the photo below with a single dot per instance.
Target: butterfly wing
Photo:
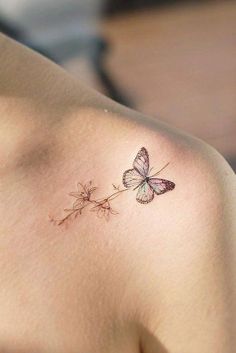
(160, 186)
(141, 162)
(132, 178)
(145, 193)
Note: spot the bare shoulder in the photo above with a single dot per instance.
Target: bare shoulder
(201, 183)
(166, 266)
(166, 257)
(183, 247)
(173, 253)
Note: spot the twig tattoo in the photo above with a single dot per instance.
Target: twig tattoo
(137, 178)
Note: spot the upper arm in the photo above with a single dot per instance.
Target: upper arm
(187, 260)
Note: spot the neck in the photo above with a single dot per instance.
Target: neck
(36, 98)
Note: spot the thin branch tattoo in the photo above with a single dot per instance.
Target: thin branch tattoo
(137, 178)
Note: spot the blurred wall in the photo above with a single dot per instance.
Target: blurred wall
(47, 21)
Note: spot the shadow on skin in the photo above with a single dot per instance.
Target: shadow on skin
(150, 344)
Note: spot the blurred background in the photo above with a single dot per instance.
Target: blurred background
(174, 60)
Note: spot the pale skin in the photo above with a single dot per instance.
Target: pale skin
(155, 278)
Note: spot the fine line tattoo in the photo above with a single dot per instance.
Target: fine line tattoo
(137, 178)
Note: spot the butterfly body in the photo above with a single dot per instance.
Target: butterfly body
(142, 182)
(138, 178)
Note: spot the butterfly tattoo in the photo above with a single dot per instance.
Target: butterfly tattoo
(138, 178)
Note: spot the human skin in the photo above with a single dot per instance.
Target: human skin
(156, 278)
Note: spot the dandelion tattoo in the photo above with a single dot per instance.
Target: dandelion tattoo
(137, 178)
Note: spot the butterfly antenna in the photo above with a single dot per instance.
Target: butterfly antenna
(160, 170)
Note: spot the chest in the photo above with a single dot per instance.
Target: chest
(57, 299)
